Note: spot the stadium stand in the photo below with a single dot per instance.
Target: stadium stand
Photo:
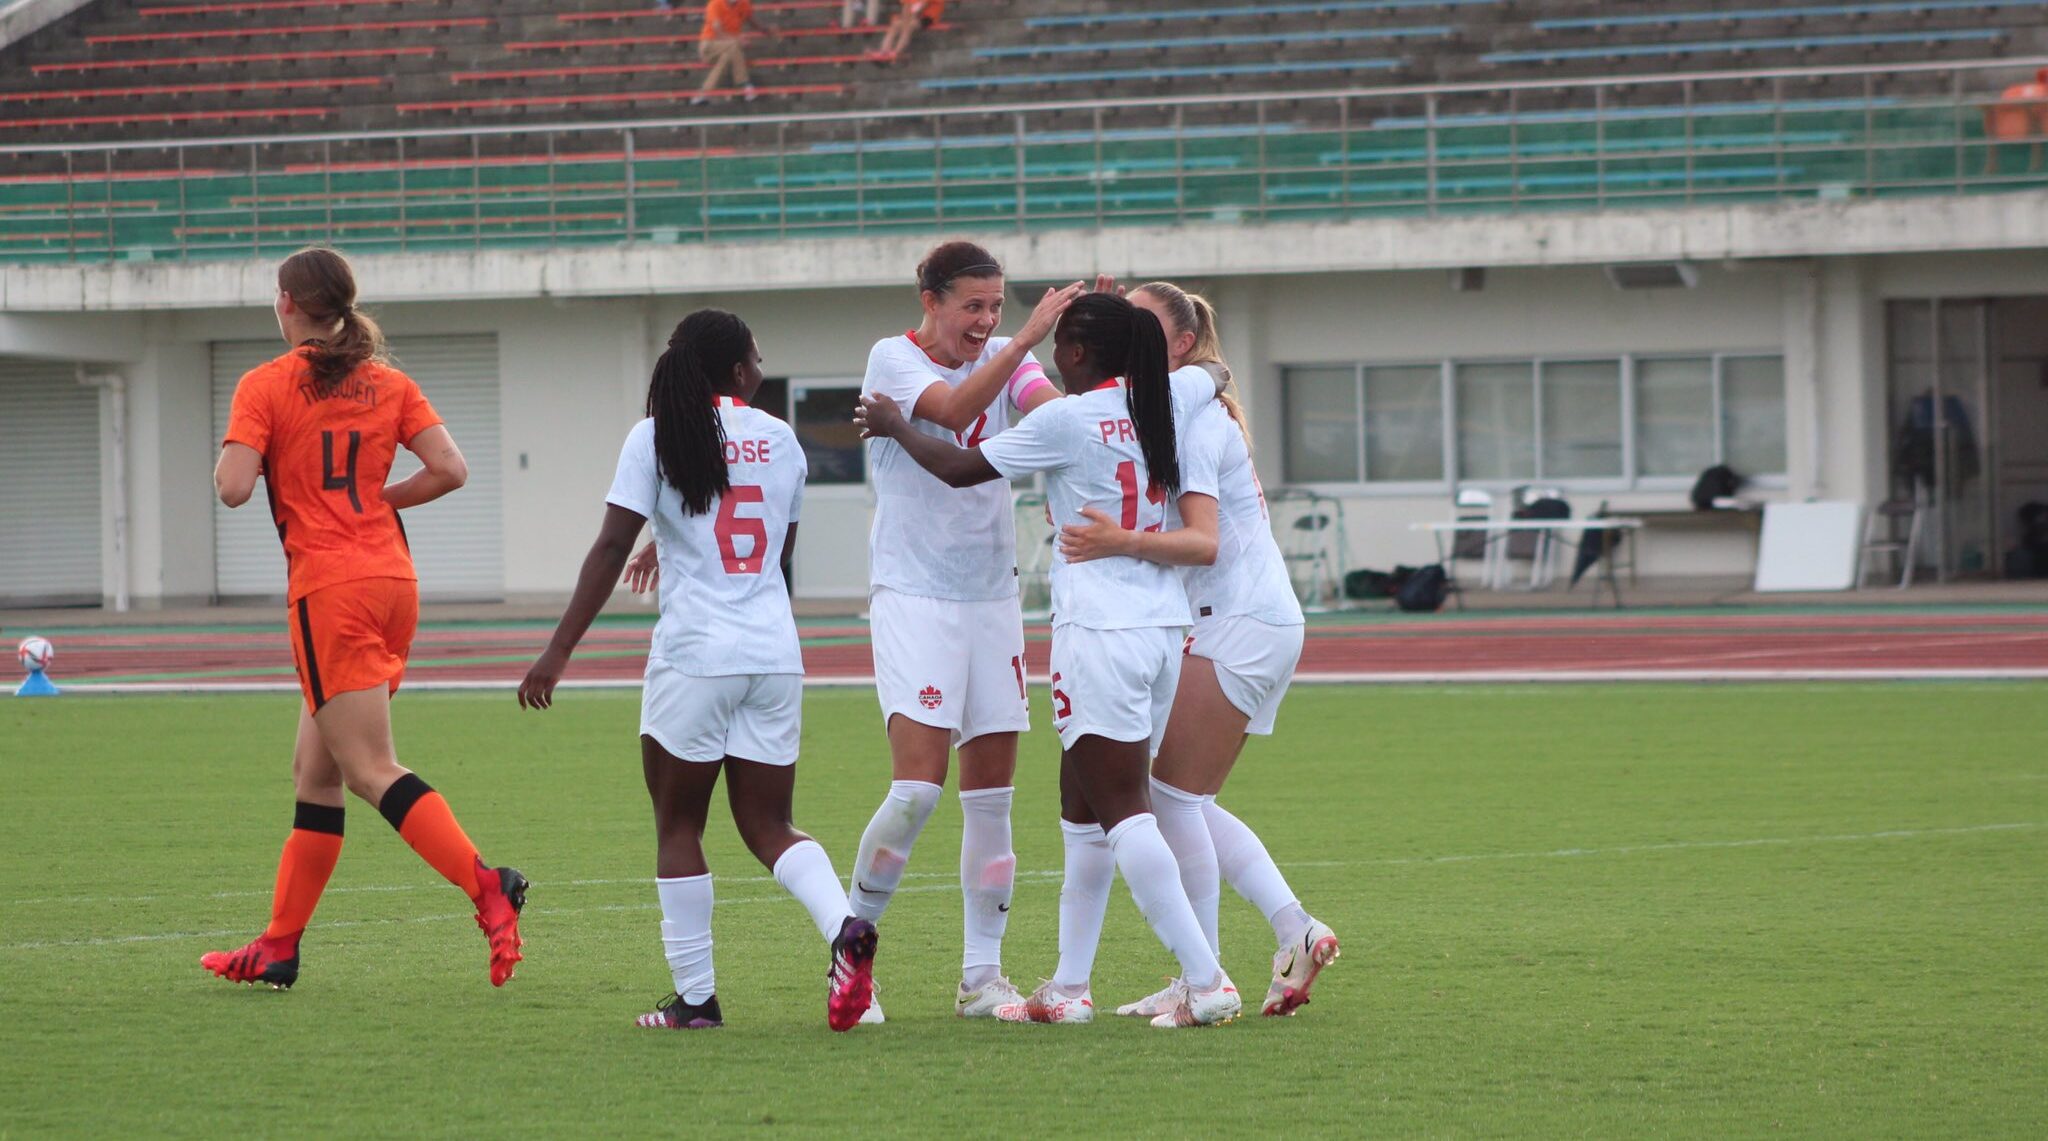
(423, 107)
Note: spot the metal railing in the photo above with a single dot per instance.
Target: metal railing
(1824, 132)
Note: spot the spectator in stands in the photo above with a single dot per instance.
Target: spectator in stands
(850, 12)
(915, 14)
(2021, 114)
(719, 44)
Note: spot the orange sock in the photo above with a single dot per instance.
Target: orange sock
(308, 860)
(425, 821)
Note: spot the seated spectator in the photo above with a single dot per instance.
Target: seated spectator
(915, 14)
(719, 45)
(850, 12)
(2021, 114)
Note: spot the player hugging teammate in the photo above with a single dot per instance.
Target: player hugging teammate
(1246, 640)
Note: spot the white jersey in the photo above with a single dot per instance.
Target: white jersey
(1089, 451)
(724, 605)
(1249, 578)
(929, 539)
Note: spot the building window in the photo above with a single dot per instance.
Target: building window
(822, 416)
(1610, 421)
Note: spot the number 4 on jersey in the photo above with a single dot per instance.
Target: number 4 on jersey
(731, 526)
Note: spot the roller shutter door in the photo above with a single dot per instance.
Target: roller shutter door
(457, 541)
(49, 485)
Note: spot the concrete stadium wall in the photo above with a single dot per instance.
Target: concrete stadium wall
(573, 371)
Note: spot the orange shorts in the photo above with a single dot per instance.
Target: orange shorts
(353, 635)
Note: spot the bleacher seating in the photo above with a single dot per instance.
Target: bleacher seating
(362, 73)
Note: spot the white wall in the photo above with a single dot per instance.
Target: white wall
(574, 373)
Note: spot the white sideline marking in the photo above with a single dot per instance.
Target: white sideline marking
(1313, 677)
(1048, 874)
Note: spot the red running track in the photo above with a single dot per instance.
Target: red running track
(1645, 644)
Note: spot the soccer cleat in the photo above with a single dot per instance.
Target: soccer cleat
(1051, 1005)
(1157, 1003)
(983, 1001)
(1295, 968)
(852, 976)
(262, 961)
(497, 915)
(1213, 1007)
(872, 1016)
(672, 1013)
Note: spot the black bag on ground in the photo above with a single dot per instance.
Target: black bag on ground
(1365, 584)
(1717, 482)
(1425, 590)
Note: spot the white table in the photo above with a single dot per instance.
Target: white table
(1493, 574)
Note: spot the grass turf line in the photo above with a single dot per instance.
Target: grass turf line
(1840, 981)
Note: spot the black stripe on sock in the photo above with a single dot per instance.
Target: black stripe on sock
(401, 796)
(317, 818)
(312, 667)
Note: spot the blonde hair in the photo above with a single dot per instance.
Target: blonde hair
(1192, 313)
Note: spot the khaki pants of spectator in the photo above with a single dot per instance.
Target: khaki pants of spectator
(720, 53)
(850, 10)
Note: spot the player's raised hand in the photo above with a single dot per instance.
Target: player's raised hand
(643, 571)
(878, 417)
(1106, 283)
(537, 691)
(1099, 538)
(1046, 314)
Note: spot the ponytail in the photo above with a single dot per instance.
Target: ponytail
(1120, 338)
(689, 434)
(1192, 313)
(323, 286)
(1149, 396)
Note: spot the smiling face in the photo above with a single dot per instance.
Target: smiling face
(959, 322)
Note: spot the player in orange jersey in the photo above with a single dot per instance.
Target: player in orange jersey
(322, 424)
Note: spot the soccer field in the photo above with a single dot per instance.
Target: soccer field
(1619, 911)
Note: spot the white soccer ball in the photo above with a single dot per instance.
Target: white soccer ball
(35, 653)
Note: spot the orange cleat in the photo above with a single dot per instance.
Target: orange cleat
(497, 915)
(264, 960)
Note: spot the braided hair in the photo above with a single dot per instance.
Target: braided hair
(689, 435)
(1122, 339)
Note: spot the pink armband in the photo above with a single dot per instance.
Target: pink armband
(1028, 379)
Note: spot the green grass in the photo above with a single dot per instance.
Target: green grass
(1701, 911)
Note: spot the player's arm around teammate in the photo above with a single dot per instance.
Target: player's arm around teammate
(723, 485)
(1241, 655)
(948, 633)
(322, 424)
(1116, 636)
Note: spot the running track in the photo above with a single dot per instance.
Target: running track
(1765, 643)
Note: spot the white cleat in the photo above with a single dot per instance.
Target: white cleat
(1212, 1007)
(1157, 1003)
(984, 1000)
(1296, 966)
(872, 1016)
(1049, 1004)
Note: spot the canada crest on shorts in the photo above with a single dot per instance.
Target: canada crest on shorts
(930, 697)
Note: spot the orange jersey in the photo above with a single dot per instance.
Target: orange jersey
(725, 17)
(325, 460)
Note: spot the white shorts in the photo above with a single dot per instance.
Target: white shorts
(754, 717)
(950, 664)
(1254, 662)
(1114, 683)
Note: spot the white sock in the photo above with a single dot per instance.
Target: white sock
(1187, 833)
(885, 846)
(1084, 900)
(1243, 861)
(805, 871)
(988, 872)
(686, 934)
(1149, 871)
